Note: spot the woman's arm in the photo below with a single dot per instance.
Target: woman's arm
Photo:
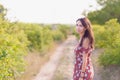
(85, 47)
(84, 62)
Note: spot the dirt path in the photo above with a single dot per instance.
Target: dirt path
(64, 70)
(47, 71)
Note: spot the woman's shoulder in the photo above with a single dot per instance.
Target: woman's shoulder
(86, 43)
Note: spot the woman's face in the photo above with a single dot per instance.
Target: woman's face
(79, 27)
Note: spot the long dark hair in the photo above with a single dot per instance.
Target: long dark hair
(88, 32)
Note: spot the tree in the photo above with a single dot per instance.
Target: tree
(110, 10)
(2, 12)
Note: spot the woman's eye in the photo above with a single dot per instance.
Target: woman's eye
(79, 25)
(76, 24)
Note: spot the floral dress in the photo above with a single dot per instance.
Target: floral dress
(89, 72)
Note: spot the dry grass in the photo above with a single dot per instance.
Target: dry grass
(34, 63)
(110, 73)
(104, 73)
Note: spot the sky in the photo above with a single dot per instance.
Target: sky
(47, 11)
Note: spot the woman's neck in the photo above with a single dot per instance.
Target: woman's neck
(81, 35)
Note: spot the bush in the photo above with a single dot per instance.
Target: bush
(13, 47)
(64, 29)
(58, 36)
(110, 39)
(110, 57)
(42, 37)
(100, 36)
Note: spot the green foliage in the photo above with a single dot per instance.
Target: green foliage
(2, 12)
(13, 47)
(58, 36)
(75, 33)
(112, 28)
(34, 34)
(110, 10)
(106, 2)
(100, 36)
(111, 56)
(108, 37)
(42, 37)
(64, 29)
(47, 39)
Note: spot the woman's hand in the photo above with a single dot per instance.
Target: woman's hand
(81, 78)
(82, 74)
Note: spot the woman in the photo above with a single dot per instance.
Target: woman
(83, 69)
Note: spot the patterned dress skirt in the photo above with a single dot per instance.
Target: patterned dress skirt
(89, 72)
